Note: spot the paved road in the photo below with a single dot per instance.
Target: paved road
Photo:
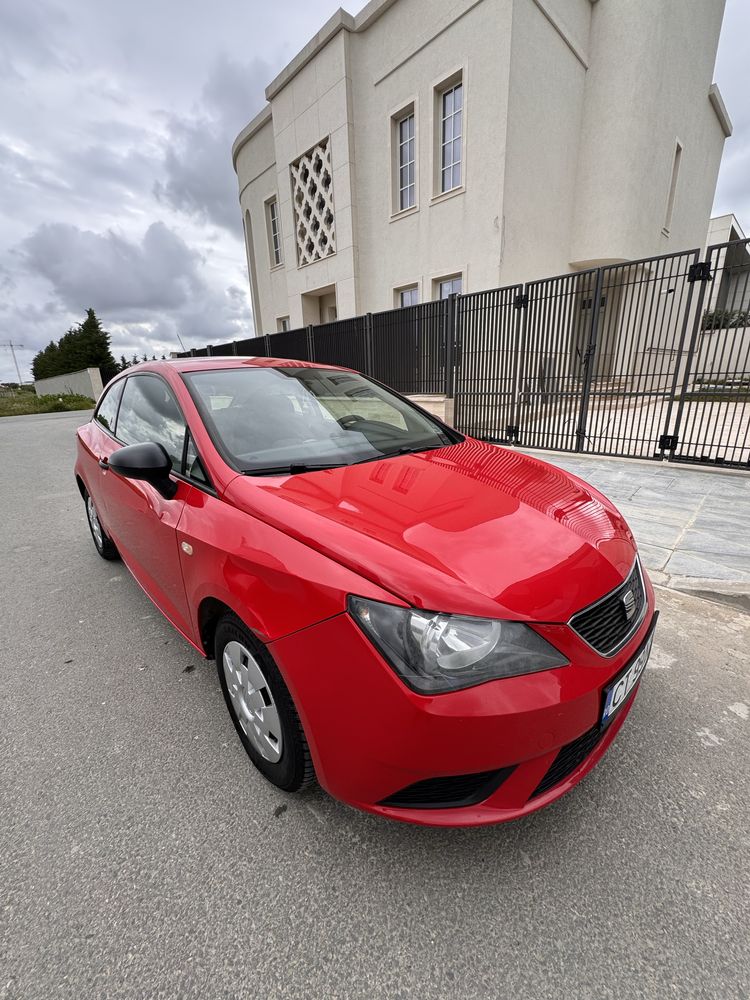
(141, 855)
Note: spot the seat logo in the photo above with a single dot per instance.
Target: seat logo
(628, 604)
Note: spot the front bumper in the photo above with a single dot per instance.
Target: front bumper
(370, 736)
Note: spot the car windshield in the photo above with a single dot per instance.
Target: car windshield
(289, 420)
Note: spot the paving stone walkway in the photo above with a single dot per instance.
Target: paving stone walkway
(692, 525)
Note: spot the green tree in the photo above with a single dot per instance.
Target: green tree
(84, 346)
(46, 362)
(123, 363)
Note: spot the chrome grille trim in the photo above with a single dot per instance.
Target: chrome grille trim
(634, 576)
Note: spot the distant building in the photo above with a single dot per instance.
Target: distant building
(732, 293)
(426, 147)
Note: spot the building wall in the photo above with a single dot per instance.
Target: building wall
(459, 232)
(256, 166)
(650, 68)
(572, 111)
(544, 125)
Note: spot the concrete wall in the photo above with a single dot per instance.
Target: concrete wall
(544, 126)
(87, 382)
(647, 87)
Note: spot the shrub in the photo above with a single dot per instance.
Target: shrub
(723, 319)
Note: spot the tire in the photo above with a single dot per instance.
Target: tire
(261, 707)
(103, 543)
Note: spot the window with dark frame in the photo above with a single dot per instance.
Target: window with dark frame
(450, 286)
(408, 296)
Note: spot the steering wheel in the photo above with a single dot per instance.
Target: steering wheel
(349, 420)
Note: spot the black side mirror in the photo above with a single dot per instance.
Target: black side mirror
(149, 462)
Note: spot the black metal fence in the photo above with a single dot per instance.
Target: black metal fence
(648, 359)
(405, 348)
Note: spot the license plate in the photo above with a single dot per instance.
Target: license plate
(621, 687)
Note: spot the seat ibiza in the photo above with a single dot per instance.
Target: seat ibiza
(435, 628)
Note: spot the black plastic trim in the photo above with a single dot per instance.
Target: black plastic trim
(434, 793)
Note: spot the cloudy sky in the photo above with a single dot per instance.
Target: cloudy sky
(116, 184)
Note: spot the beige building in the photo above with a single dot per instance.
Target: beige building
(424, 147)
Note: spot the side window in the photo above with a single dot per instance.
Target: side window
(149, 412)
(106, 412)
(193, 467)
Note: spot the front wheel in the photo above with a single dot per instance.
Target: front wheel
(104, 544)
(261, 707)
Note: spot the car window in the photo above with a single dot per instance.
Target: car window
(149, 412)
(106, 413)
(193, 465)
(269, 419)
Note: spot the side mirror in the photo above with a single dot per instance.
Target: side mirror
(149, 462)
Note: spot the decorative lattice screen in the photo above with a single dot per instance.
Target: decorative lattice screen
(312, 197)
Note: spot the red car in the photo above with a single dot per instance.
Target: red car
(438, 629)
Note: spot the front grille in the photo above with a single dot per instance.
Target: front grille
(450, 792)
(568, 758)
(606, 625)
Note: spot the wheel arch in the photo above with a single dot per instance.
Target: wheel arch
(210, 612)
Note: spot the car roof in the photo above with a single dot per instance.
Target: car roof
(231, 361)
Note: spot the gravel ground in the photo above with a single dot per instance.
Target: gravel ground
(142, 856)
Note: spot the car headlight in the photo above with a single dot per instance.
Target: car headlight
(433, 652)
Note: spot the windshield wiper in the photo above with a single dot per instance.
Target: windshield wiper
(293, 469)
(412, 450)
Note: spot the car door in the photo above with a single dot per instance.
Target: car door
(141, 521)
(97, 441)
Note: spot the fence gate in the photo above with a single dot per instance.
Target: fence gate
(558, 319)
(640, 342)
(487, 327)
(712, 421)
(647, 359)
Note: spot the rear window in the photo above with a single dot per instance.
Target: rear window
(106, 412)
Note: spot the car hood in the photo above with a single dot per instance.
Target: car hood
(471, 528)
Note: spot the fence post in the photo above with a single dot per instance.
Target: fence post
(267, 344)
(234, 348)
(370, 363)
(705, 279)
(589, 360)
(450, 318)
(518, 346)
(208, 350)
(310, 344)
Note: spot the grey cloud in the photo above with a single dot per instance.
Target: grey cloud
(112, 273)
(199, 176)
(26, 28)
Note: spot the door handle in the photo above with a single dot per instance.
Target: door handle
(103, 463)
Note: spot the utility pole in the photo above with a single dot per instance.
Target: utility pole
(9, 344)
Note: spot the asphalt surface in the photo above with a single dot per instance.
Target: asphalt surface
(142, 856)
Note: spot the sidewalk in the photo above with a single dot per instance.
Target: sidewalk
(692, 525)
